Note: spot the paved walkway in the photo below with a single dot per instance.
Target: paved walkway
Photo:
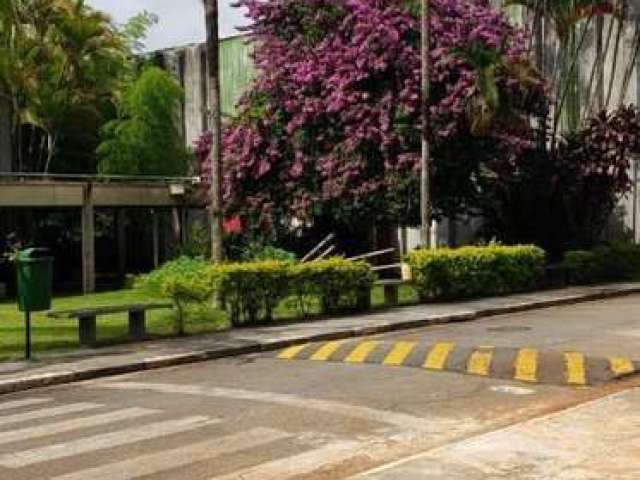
(84, 364)
(599, 440)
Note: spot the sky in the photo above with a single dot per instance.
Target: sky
(181, 21)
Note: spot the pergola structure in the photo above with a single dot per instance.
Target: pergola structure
(86, 193)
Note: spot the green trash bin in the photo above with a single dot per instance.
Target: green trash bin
(34, 267)
(35, 278)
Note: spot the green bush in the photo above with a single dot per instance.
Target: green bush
(257, 252)
(602, 264)
(183, 280)
(184, 267)
(475, 271)
(251, 291)
(339, 284)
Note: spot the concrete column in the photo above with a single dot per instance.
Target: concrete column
(121, 240)
(88, 242)
(156, 238)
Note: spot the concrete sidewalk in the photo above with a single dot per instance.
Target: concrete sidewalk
(84, 364)
(598, 440)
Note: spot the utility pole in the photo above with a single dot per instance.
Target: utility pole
(425, 160)
(213, 62)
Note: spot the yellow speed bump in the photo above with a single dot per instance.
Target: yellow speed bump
(526, 367)
(621, 366)
(361, 352)
(291, 352)
(575, 368)
(437, 357)
(399, 353)
(325, 351)
(480, 361)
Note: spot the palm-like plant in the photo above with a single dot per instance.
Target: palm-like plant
(55, 56)
(565, 16)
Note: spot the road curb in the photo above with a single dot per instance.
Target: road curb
(29, 382)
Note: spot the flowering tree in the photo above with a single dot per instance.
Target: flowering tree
(331, 125)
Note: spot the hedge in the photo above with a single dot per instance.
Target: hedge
(449, 274)
(250, 290)
(253, 290)
(602, 264)
(339, 284)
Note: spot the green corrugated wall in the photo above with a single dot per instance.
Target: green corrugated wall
(236, 71)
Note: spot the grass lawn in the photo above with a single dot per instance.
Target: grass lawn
(49, 334)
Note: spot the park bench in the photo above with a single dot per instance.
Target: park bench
(87, 319)
(391, 286)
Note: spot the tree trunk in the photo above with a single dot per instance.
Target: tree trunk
(211, 12)
(425, 163)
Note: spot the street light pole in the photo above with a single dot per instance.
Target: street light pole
(425, 159)
(213, 61)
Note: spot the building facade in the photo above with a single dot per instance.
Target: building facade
(189, 65)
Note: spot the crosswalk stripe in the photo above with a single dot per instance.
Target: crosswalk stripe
(103, 441)
(291, 352)
(27, 402)
(480, 362)
(73, 424)
(403, 420)
(361, 352)
(526, 367)
(399, 354)
(325, 351)
(575, 368)
(621, 366)
(47, 412)
(162, 461)
(298, 465)
(437, 357)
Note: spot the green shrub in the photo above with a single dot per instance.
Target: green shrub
(251, 291)
(184, 267)
(257, 252)
(183, 280)
(603, 263)
(475, 271)
(339, 284)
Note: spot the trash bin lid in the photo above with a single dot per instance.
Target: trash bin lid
(34, 255)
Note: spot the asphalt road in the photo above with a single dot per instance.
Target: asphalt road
(260, 418)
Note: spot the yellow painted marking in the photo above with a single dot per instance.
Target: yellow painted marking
(575, 369)
(438, 355)
(399, 353)
(325, 351)
(527, 365)
(480, 361)
(361, 352)
(621, 366)
(291, 352)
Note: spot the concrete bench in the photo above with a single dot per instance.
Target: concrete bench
(87, 319)
(390, 286)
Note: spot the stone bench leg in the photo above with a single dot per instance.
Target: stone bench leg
(391, 296)
(137, 327)
(87, 330)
